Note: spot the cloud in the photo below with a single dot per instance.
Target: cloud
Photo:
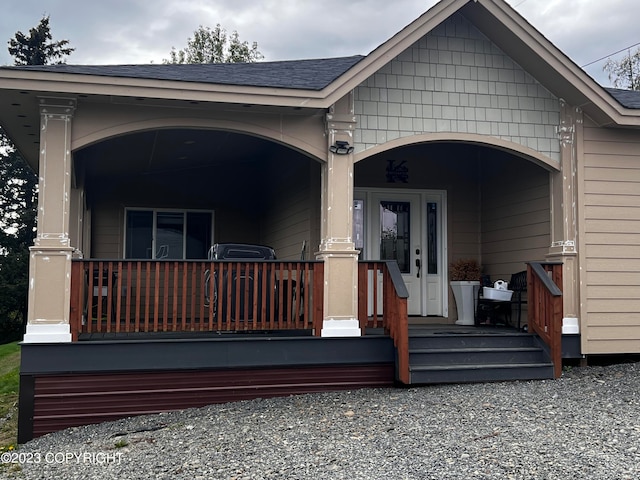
(140, 31)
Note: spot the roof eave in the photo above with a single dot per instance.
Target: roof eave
(80, 84)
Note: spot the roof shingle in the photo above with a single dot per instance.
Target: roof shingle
(313, 74)
(310, 74)
(626, 98)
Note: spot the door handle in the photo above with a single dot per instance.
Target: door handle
(419, 265)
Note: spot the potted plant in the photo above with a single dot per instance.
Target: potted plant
(465, 280)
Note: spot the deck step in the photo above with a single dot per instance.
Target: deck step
(482, 355)
(422, 340)
(480, 373)
(476, 356)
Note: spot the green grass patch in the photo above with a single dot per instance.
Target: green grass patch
(9, 385)
(8, 349)
(9, 368)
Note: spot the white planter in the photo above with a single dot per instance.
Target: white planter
(465, 294)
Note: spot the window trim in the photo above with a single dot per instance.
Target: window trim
(155, 212)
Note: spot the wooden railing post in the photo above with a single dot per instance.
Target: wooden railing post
(318, 298)
(544, 281)
(396, 302)
(394, 319)
(77, 295)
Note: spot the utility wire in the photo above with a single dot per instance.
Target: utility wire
(614, 53)
(600, 59)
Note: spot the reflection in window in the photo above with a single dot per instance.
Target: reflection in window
(139, 234)
(167, 234)
(358, 224)
(394, 233)
(198, 234)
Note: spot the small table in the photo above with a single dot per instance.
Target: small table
(493, 312)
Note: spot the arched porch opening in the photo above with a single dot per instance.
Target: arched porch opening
(454, 200)
(257, 190)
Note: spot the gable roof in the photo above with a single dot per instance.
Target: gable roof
(312, 74)
(320, 83)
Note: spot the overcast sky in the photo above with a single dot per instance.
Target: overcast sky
(143, 31)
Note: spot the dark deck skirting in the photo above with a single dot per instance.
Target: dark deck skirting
(71, 384)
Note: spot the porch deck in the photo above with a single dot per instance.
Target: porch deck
(118, 372)
(135, 300)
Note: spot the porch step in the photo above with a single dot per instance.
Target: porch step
(470, 356)
(480, 373)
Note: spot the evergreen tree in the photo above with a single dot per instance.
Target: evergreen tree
(18, 207)
(38, 48)
(18, 192)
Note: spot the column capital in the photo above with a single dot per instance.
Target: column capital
(341, 119)
(58, 106)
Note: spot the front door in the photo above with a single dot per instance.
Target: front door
(406, 226)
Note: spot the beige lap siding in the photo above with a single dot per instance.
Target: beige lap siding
(610, 246)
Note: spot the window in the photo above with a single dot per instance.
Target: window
(358, 224)
(174, 234)
(432, 238)
(394, 234)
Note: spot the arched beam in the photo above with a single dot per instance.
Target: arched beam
(469, 138)
(278, 136)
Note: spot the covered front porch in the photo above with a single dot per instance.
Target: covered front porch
(156, 300)
(121, 368)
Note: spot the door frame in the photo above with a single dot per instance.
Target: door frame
(371, 239)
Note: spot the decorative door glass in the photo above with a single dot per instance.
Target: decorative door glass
(432, 238)
(395, 239)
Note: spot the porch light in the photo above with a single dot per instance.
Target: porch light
(341, 148)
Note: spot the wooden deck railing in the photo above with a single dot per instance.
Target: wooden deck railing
(544, 286)
(148, 296)
(384, 305)
(123, 296)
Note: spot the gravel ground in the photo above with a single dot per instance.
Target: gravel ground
(585, 425)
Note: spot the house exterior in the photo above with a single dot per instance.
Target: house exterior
(467, 134)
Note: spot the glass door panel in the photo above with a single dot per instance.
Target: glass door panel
(395, 233)
(169, 235)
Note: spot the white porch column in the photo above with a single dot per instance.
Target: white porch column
(337, 248)
(50, 257)
(564, 215)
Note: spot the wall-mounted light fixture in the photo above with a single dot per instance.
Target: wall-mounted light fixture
(341, 148)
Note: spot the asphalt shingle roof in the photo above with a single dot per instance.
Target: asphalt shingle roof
(626, 98)
(297, 74)
(313, 74)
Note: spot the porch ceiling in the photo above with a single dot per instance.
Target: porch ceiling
(170, 151)
(186, 168)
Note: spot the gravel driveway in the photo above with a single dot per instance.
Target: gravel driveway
(585, 425)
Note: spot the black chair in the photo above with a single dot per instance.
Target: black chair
(518, 284)
(490, 311)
